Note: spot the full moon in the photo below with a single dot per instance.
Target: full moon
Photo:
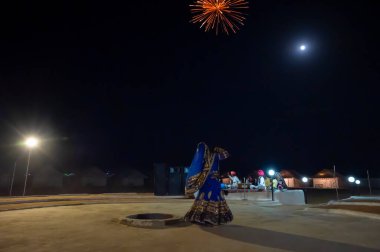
(302, 47)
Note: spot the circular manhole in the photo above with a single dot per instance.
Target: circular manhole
(151, 220)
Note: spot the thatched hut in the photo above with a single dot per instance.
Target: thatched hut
(94, 177)
(326, 179)
(292, 178)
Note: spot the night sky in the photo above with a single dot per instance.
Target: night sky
(128, 84)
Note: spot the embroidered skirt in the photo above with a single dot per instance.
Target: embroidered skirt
(211, 212)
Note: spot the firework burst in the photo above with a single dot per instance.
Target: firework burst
(219, 15)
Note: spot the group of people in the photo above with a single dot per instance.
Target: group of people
(203, 180)
(259, 182)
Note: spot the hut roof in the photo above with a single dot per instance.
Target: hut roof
(46, 170)
(94, 172)
(327, 173)
(289, 174)
(132, 172)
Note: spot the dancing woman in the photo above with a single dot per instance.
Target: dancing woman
(209, 206)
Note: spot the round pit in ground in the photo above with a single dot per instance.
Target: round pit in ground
(151, 220)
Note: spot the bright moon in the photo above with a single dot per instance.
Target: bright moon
(302, 47)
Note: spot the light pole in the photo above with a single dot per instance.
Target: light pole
(369, 184)
(13, 178)
(305, 180)
(351, 180)
(271, 173)
(30, 143)
(357, 182)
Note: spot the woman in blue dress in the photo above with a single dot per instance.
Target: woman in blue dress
(209, 207)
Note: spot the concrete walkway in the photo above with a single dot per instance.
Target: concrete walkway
(256, 227)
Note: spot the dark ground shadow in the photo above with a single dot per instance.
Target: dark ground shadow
(280, 240)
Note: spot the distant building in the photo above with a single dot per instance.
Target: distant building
(47, 177)
(292, 178)
(45, 180)
(5, 179)
(71, 181)
(325, 179)
(169, 180)
(94, 177)
(134, 178)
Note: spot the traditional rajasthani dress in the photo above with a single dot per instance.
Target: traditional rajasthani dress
(209, 206)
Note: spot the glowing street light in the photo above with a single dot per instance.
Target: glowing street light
(30, 143)
(271, 173)
(305, 180)
(352, 180)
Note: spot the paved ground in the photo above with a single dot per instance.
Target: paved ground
(92, 226)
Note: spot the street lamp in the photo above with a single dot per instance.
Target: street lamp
(271, 173)
(30, 143)
(305, 180)
(357, 182)
(351, 179)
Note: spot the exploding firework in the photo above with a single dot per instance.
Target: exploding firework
(219, 15)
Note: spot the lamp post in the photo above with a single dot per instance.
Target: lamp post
(351, 179)
(357, 182)
(30, 143)
(13, 178)
(271, 173)
(369, 184)
(305, 180)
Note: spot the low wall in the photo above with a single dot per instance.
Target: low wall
(291, 197)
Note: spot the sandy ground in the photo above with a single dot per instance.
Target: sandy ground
(358, 208)
(256, 227)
